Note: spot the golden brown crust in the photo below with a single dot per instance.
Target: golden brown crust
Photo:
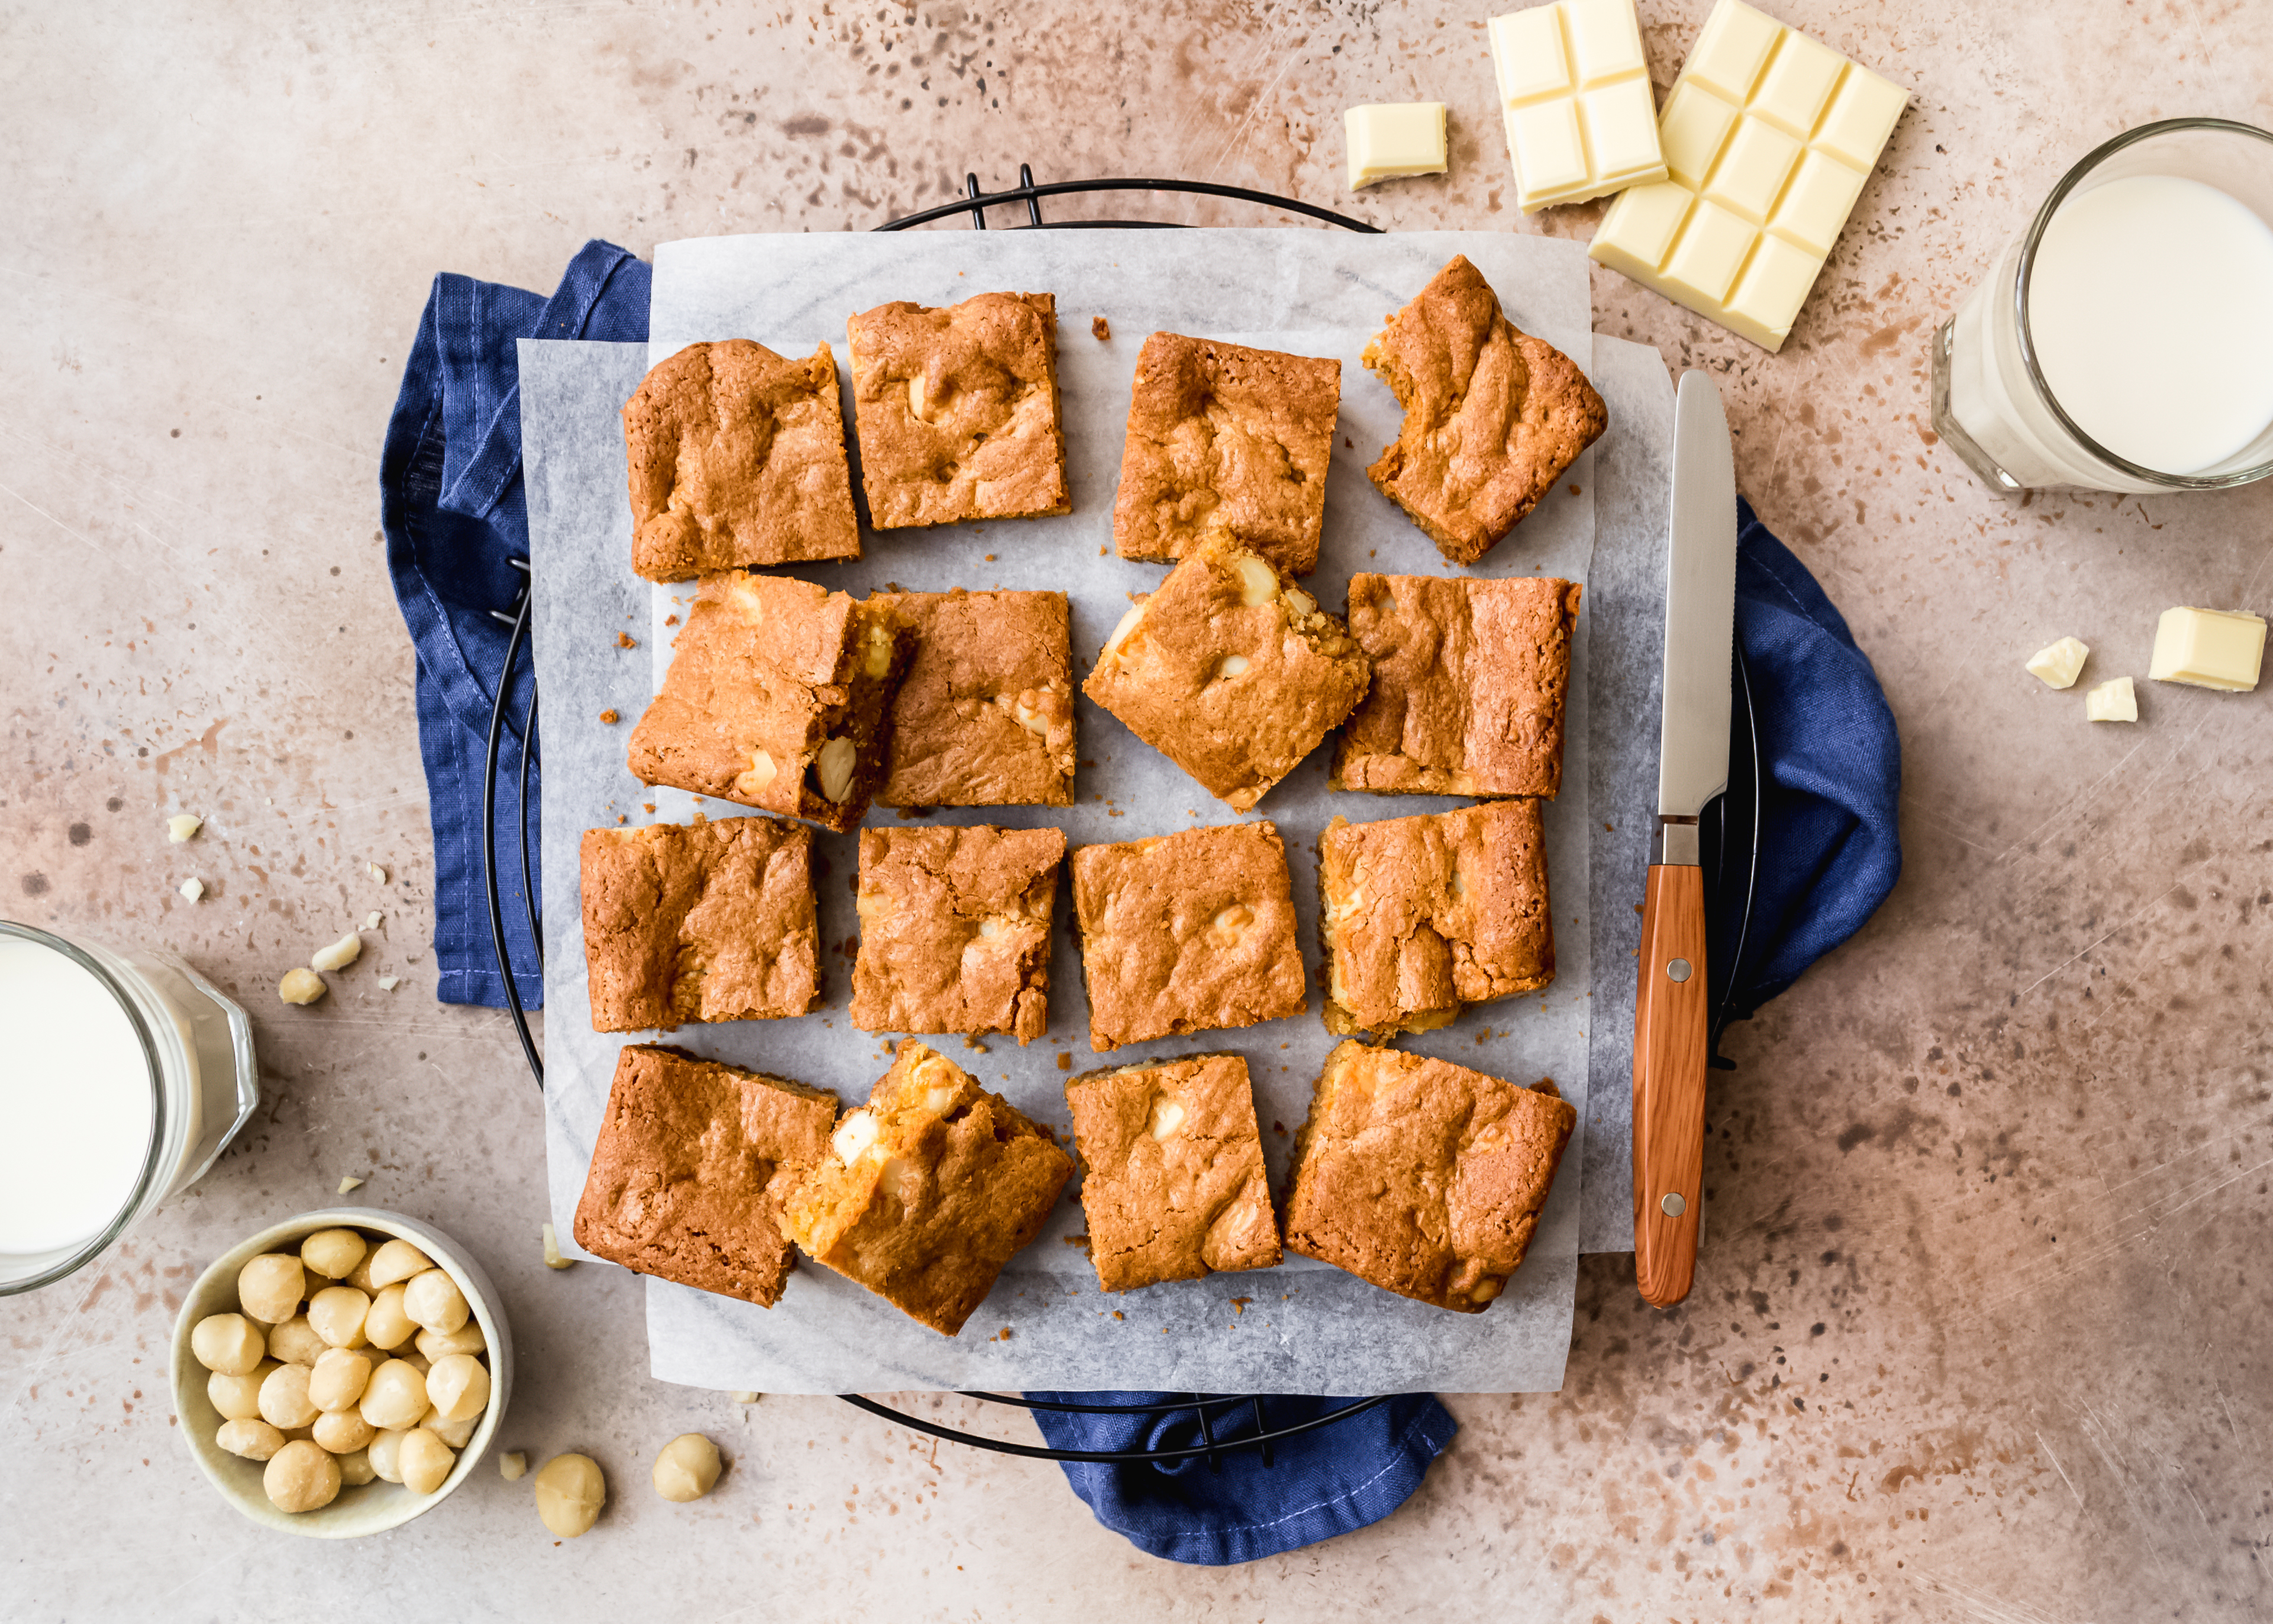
(983, 716)
(957, 411)
(1469, 678)
(704, 923)
(1187, 932)
(1492, 415)
(926, 1209)
(955, 929)
(737, 456)
(691, 1167)
(1230, 672)
(1421, 1177)
(767, 675)
(1173, 1181)
(1224, 436)
(1421, 916)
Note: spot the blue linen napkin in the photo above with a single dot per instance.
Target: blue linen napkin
(453, 508)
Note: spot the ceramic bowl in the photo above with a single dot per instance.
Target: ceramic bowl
(375, 1506)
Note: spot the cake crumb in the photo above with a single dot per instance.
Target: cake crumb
(1117, 1314)
(1003, 1336)
(1065, 1061)
(609, 717)
(1238, 1304)
(624, 641)
(1100, 329)
(671, 619)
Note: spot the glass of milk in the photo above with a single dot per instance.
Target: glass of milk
(2125, 340)
(122, 1075)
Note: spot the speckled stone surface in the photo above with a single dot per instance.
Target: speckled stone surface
(1979, 1327)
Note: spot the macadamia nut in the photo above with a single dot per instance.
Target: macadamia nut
(255, 1441)
(336, 1313)
(354, 1468)
(434, 1301)
(386, 1326)
(425, 1460)
(467, 1338)
(301, 1477)
(398, 1260)
(359, 1276)
(570, 1491)
(383, 1451)
(334, 1253)
(237, 1398)
(457, 1434)
(394, 1398)
(343, 1432)
(284, 1401)
(336, 1380)
(270, 1287)
(511, 1467)
(296, 1343)
(687, 1468)
(458, 1386)
(301, 987)
(227, 1343)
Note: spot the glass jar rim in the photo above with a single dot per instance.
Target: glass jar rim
(2075, 176)
(100, 1242)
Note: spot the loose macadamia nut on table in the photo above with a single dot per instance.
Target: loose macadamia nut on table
(467, 1338)
(336, 1380)
(395, 1397)
(570, 1491)
(237, 1398)
(334, 1253)
(255, 1441)
(398, 1260)
(386, 1326)
(270, 1287)
(434, 1301)
(342, 1432)
(336, 1313)
(284, 1401)
(228, 1344)
(296, 1343)
(687, 1468)
(458, 1386)
(354, 1468)
(301, 1477)
(425, 1459)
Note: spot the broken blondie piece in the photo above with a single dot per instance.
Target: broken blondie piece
(983, 716)
(955, 929)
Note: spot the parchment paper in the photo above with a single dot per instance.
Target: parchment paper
(1300, 1328)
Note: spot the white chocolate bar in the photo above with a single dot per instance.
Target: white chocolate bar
(1769, 138)
(1574, 91)
(1392, 139)
(2209, 648)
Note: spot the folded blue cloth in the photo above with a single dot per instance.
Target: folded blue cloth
(451, 502)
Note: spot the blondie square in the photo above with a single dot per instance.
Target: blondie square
(957, 411)
(1423, 1177)
(779, 696)
(1224, 437)
(1172, 1171)
(1492, 415)
(1424, 915)
(1469, 683)
(983, 716)
(955, 929)
(1187, 932)
(694, 1161)
(1230, 670)
(737, 456)
(928, 1190)
(704, 923)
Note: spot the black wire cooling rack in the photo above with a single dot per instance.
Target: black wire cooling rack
(1731, 846)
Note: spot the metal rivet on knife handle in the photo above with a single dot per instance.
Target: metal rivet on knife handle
(1677, 970)
(1673, 1206)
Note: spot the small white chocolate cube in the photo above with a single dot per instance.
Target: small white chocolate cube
(1390, 140)
(2059, 664)
(2112, 701)
(2209, 648)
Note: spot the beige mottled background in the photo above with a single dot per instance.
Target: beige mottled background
(1979, 1327)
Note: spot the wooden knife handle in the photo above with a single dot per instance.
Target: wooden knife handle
(1671, 1027)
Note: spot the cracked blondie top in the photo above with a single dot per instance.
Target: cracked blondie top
(1421, 1177)
(737, 456)
(1492, 415)
(692, 1163)
(1188, 932)
(983, 716)
(1469, 677)
(1224, 437)
(955, 929)
(1230, 670)
(778, 697)
(701, 923)
(1422, 916)
(957, 411)
(1172, 1171)
(927, 1190)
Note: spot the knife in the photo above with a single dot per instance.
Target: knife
(1672, 1007)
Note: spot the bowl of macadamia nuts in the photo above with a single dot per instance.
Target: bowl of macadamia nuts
(341, 1373)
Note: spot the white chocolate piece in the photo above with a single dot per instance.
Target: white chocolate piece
(746, 1398)
(237, 1398)
(2058, 664)
(388, 983)
(296, 1343)
(395, 1397)
(386, 1326)
(378, 874)
(370, 920)
(1574, 94)
(301, 987)
(269, 1287)
(383, 1451)
(302, 1477)
(1769, 138)
(398, 1260)
(432, 1300)
(227, 1344)
(193, 888)
(337, 1380)
(284, 1401)
(338, 955)
(457, 1434)
(253, 1439)
(513, 1467)
(334, 1253)
(2219, 649)
(2112, 701)
(458, 1386)
(354, 1468)
(182, 826)
(342, 1432)
(1388, 141)
(347, 1183)
(553, 1258)
(570, 1491)
(336, 1313)
(467, 1338)
(686, 1469)
(425, 1460)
